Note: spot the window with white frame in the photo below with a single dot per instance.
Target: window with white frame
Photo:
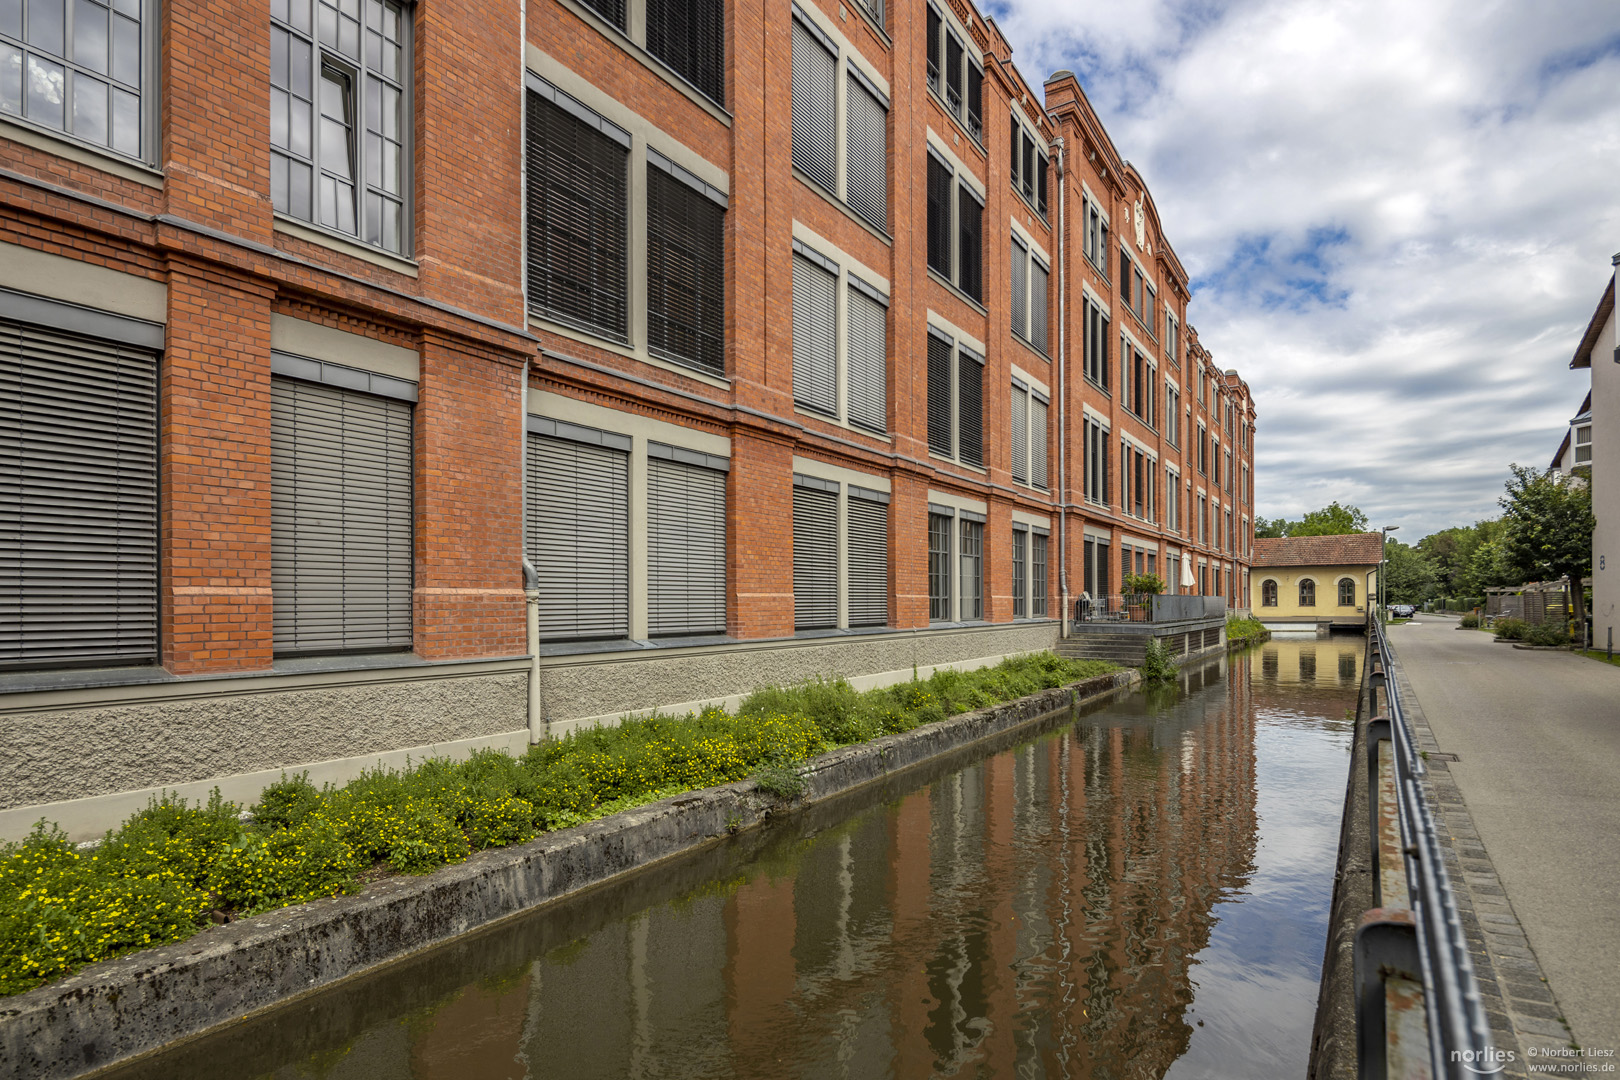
(1172, 338)
(1029, 411)
(1029, 556)
(1138, 381)
(1203, 449)
(1227, 475)
(1203, 518)
(955, 399)
(1039, 540)
(1172, 414)
(339, 116)
(827, 87)
(841, 375)
(1137, 472)
(1096, 331)
(1020, 570)
(955, 75)
(1029, 295)
(1095, 435)
(1583, 444)
(1029, 165)
(87, 69)
(1172, 499)
(1095, 238)
(955, 228)
(941, 523)
(955, 564)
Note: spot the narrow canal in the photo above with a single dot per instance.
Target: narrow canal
(1139, 890)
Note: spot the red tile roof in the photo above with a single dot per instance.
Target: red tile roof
(1354, 549)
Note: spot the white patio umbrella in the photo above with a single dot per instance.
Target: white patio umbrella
(1188, 581)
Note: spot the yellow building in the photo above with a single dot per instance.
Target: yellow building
(1315, 580)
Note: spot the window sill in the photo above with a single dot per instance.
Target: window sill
(1099, 387)
(19, 130)
(956, 291)
(1032, 347)
(618, 347)
(854, 429)
(934, 455)
(342, 244)
(871, 21)
(646, 59)
(843, 207)
(1039, 216)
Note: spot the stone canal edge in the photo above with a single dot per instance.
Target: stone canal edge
(114, 1011)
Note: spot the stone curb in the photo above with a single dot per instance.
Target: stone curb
(117, 1009)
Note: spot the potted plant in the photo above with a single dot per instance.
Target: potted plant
(1138, 587)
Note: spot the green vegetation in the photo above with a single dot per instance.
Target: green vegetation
(172, 867)
(1469, 622)
(1331, 520)
(1157, 664)
(1511, 629)
(1599, 654)
(1240, 632)
(1549, 529)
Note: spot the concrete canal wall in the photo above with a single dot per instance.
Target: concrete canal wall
(114, 1011)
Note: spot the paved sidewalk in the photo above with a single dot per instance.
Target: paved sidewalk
(1537, 736)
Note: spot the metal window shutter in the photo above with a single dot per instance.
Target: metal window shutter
(868, 563)
(815, 350)
(1020, 434)
(1019, 539)
(933, 47)
(686, 549)
(975, 100)
(1037, 442)
(939, 217)
(1037, 305)
(579, 537)
(611, 10)
(970, 259)
(867, 171)
(972, 561)
(578, 244)
(953, 70)
(1020, 303)
(78, 500)
(1041, 165)
(815, 559)
(1038, 575)
(939, 396)
(970, 408)
(690, 36)
(868, 362)
(815, 108)
(686, 274)
(341, 552)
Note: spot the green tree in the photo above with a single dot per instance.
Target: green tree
(1548, 529)
(1270, 528)
(1409, 576)
(1331, 520)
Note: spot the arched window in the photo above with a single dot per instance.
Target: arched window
(1268, 593)
(1347, 592)
(1307, 593)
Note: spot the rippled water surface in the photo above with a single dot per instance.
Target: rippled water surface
(1141, 890)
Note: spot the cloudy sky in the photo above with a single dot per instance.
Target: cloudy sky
(1398, 216)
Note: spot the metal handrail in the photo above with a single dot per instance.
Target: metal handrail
(1459, 1035)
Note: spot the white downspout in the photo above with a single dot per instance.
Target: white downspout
(1062, 366)
(538, 728)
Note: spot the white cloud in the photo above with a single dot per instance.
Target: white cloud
(1398, 217)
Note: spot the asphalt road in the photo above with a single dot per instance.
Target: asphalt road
(1538, 738)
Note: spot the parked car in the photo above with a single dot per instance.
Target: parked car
(1402, 611)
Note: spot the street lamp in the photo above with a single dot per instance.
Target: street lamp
(1383, 564)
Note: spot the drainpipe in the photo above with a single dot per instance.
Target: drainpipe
(1062, 366)
(531, 579)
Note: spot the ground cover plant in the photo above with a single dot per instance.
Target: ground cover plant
(173, 867)
(1244, 631)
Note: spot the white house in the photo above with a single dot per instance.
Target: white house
(1599, 351)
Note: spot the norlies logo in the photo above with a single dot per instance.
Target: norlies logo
(1485, 1062)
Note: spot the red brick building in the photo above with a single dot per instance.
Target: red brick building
(776, 340)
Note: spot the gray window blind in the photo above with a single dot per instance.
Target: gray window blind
(690, 36)
(970, 243)
(815, 558)
(815, 107)
(686, 548)
(579, 536)
(1020, 432)
(866, 170)
(815, 377)
(1020, 301)
(970, 407)
(1037, 441)
(1020, 540)
(972, 561)
(868, 363)
(578, 216)
(78, 500)
(1037, 305)
(341, 550)
(939, 396)
(939, 216)
(686, 274)
(868, 562)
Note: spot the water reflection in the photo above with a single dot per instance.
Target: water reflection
(1141, 892)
